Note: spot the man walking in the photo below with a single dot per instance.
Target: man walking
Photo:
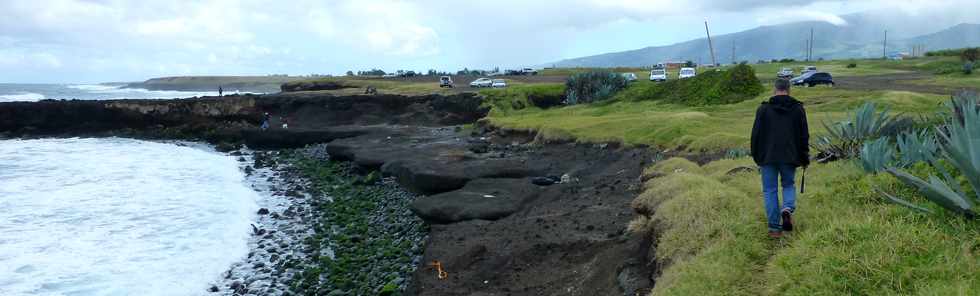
(780, 144)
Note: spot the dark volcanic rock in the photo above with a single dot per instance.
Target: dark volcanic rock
(485, 199)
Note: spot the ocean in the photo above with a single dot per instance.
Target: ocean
(116, 216)
(12, 92)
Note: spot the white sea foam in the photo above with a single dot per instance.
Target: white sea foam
(118, 217)
(21, 97)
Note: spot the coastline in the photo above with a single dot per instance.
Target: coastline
(296, 246)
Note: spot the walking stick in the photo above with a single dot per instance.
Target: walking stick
(803, 181)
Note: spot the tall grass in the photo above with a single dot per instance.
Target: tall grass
(711, 233)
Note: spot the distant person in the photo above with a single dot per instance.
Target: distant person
(220, 91)
(285, 122)
(265, 121)
(780, 144)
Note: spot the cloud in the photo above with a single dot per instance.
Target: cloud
(802, 15)
(134, 40)
(380, 26)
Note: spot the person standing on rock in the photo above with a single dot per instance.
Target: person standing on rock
(265, 121)
(780, 144)
(220, 91)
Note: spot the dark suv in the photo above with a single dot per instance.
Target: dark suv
(811, 79)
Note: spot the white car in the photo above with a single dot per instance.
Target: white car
(658, 75)
(808, 69)
(498, 83)
(687, 73)
(785, 73)
(630, 77)
(482, 82)
(389, 75)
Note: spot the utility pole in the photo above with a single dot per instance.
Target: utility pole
(733, 52)
(711, 47)
(806, 49)
(810, 48)
(884, 47)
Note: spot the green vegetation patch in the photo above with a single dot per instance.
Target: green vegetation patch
(849, 240)
(372, 234)
(715, 128)
(708, 88)
(503, 101)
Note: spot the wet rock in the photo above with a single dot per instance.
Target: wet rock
(225, 147)
(263, 211)
(213, 289)
(485, 199)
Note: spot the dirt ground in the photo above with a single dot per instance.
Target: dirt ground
(898, 82)
(561, 239)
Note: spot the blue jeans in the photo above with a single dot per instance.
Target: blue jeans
(770, 193)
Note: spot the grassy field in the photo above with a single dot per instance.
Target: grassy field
(848, 241)
(712, 128)
(709, 219)
(952, 80)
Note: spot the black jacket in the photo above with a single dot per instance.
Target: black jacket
(780, 134)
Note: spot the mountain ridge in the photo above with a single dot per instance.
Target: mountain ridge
(861, 37)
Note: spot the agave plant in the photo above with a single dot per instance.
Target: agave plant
(915, 147)
(593, 86)
(845, 138)
(876, 155)
(960, 147)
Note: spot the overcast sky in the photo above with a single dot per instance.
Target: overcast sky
(75, 41)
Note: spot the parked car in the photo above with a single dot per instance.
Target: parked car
(687, 73)
(482, 82)
(630, 77)
(811, 79)
(389, 75)
(785, 73)
(529, 71)
(498, 83)
(808, 69)
(446, 81)
(658, 75)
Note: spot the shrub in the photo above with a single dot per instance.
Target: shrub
(707, 88)
(967, 68)
(852, 65)
(845, 139)
(955, 52)
(506, 100)
(593, 86)
(970, 54)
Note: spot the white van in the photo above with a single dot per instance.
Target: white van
(658, 75)
(687, 73)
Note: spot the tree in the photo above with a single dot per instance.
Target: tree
(689, 64)
(970, 54)
(350, 73)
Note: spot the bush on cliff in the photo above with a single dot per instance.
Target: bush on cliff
(593, 86)
(311, 85)
(708, 88)
(518, 97)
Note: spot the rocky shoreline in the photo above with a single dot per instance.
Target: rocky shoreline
(408, 181)
(315, 229)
